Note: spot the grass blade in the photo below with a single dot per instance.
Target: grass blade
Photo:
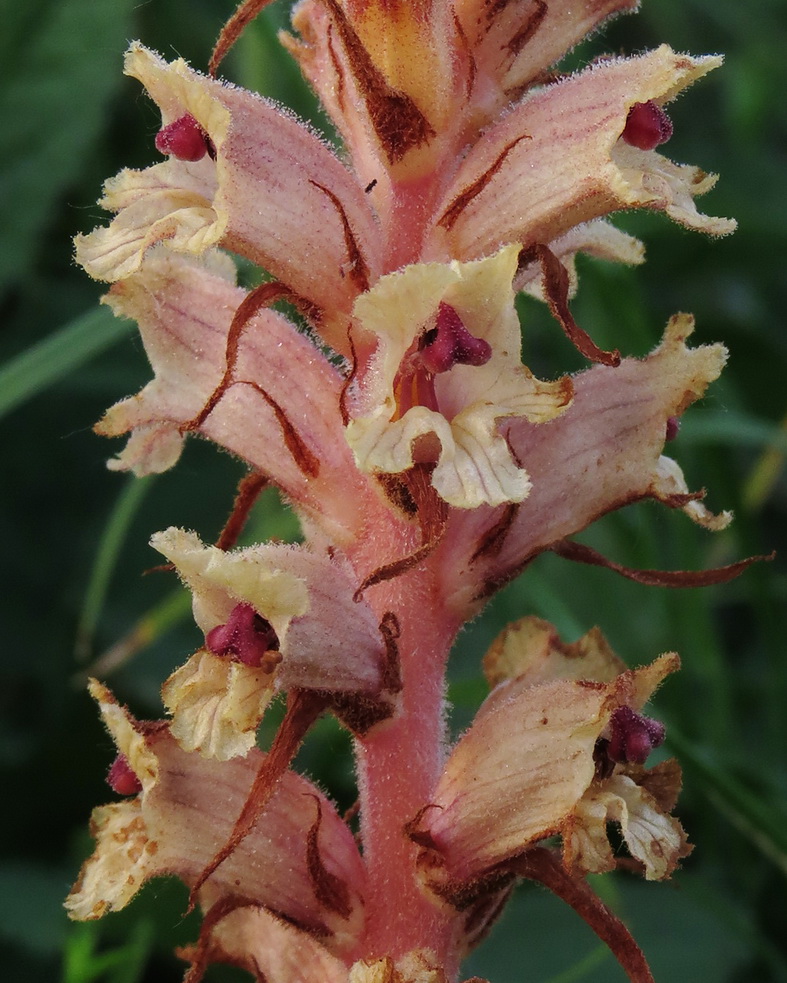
(46, 363)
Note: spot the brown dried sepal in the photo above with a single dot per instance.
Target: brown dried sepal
(245, 13)
(557, 286)
(544, 866)
(330, 890)
(261, 297)
(303, 709)
(250, 487)
(529, 28)
(358, 267)
(657, 578)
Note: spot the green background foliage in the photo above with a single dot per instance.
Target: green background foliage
(75, 535)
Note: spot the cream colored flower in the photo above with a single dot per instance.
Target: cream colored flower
(554, 750)
(274, 617)
(268, 189)
(187, 805)
(446, 371)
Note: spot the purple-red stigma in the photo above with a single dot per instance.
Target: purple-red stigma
(633, 736)
(185, 139)
(449, 343)
(647, 126)
(446, 344)
(673, 428)
(122, 779)
(246, 637)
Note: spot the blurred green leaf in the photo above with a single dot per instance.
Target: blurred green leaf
(758, 818)
(58, 356)
(112, 539)
(122, 964)
(733, 428)
(61, 66)
(31, 906)
(581, 969)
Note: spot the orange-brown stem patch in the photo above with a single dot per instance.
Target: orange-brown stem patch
(399, 124)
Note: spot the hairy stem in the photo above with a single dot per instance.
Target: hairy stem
(398, 765)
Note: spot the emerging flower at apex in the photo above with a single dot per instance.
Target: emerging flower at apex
(445, 373)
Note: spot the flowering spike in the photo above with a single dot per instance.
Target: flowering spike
(647, 126)
(185, 139)
(426, 465)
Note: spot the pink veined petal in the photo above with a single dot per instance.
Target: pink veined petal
(184, 308)
(600, 455)
(189, 805)
(555, 161)
(275, 194)
(514, 43)
(265, 945)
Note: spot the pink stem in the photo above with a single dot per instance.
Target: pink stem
(398, 765)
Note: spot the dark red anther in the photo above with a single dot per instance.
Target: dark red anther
(673, 426)
(449, 343)
(184, 138)
(633, 736)
(246, 637)
(122, 779)
(647, 126)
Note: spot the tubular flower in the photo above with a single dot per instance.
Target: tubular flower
(172, 824)
(537, 763)
(274, 617)
(256, 197)
(428, 466)
(447, 367)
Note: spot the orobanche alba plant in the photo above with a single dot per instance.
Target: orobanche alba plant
(428, 467)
